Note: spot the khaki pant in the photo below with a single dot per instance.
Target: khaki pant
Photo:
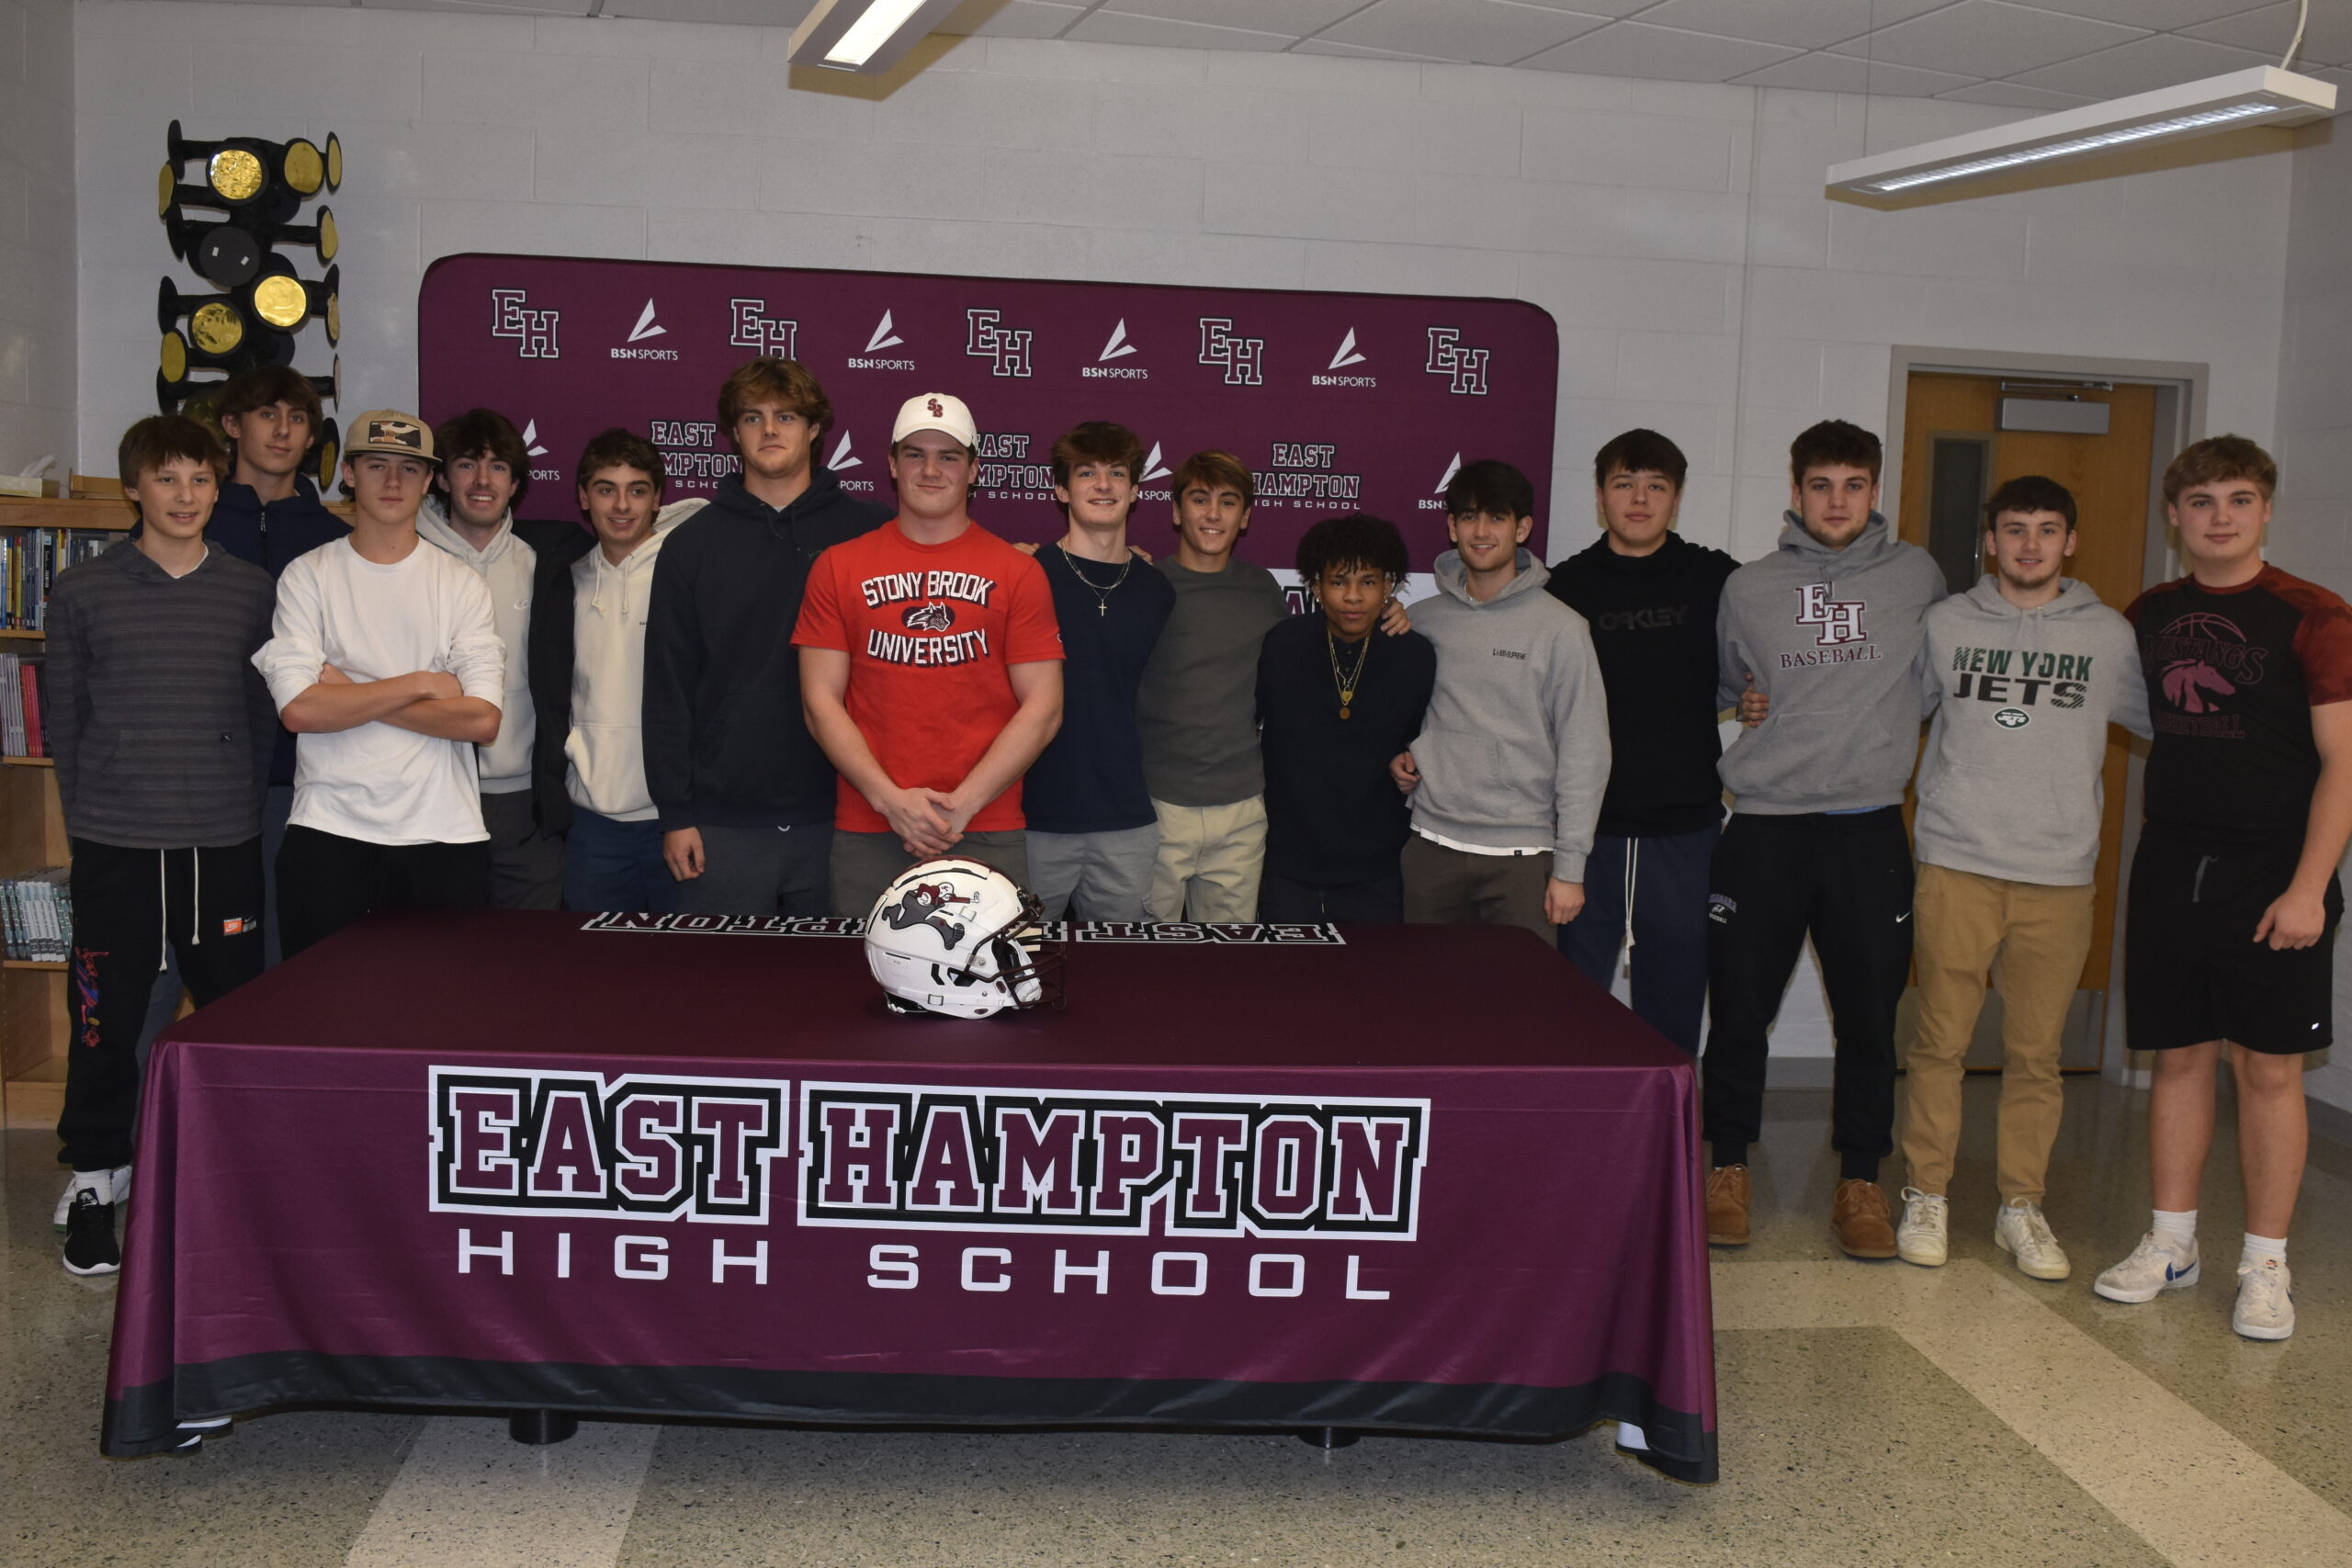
(1445, 887)
(2034, 941)
(1210, 860)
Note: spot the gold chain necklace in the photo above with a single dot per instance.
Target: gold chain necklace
(1102, 595)
(1346, 683)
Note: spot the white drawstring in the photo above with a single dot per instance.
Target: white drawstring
(1632, 876)
(163, 916)
(196, 896)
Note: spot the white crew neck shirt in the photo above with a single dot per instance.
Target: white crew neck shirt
(379, 782)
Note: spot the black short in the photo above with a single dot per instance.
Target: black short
(2192, 971)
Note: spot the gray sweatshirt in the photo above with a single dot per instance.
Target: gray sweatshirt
(1514, 750)
(2010, 785)
(1197, 710)
(1831, 636)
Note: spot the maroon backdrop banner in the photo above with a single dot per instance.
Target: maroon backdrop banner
(1339, 402)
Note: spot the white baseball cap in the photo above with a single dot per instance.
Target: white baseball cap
(936, 411)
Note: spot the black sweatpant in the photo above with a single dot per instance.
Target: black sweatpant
(1846, 881)
(1379, 902)
(326, 881)
(127, 904)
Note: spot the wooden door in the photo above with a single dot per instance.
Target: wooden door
(2109, 476)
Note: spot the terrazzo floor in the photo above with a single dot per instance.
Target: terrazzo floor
(1871, 1414)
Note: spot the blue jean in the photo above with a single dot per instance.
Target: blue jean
(1665, 879)
(611, 865)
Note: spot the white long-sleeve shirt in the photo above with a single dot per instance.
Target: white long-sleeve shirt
(605, 747)
(379, 782)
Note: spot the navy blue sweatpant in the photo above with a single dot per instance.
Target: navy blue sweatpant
(1665, 879)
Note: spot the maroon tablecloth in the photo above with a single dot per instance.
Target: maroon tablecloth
(1429, 1178)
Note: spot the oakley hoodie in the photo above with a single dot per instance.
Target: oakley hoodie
(1831, 636)
(507, 565)
(2010, 785)
(1514, 750)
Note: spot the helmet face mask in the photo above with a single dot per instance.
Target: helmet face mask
(954, 937)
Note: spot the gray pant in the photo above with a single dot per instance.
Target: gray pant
(525, 865)
(866, 864)
(1097, 876)
(1444, 887)
(763, 871)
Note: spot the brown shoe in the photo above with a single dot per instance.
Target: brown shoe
(1865, 1225)
(1728, 1206)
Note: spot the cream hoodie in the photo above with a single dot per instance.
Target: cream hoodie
(507, 567)
(606, 746)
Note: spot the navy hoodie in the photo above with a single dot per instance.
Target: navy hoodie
(725, 741)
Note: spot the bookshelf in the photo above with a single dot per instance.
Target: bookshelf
(34, 1013)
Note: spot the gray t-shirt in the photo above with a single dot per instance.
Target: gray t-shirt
(1197, 706)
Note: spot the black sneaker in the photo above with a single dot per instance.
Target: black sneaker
(90, 1246)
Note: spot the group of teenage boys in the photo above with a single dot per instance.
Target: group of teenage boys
(775, 700)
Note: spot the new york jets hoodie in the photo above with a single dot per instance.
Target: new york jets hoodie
(2010, 785)
(1831, 638)
(1514, 750)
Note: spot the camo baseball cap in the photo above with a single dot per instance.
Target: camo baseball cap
(936, 411)
(393, 432)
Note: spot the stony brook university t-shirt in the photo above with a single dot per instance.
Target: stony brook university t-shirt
(931, 632)
(2233, 676)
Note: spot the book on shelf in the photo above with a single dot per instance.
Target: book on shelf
(37, 910)
(30, 559)
(22, 705)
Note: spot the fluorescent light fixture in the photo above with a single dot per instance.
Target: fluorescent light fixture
(2263, 95)
(865, 35)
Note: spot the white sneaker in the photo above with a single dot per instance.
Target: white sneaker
(2023, 1233)
(1924, 1237)
(2153, 1268)
(2266, 1308)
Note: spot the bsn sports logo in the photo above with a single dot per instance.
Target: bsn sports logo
(1466, 368)
(1244, 358)
(986, 340)
(903, 1156)
(1115, 346)
(1840, 621)
(755, 329)
(885, 336)
(1345, 354)
(652, 1146)
(511, 316)
(646, 327)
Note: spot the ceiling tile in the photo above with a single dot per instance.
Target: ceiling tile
(2009, 95)
(2162, 15)
(1011, 18)
(2265, 31)
(2164, 60)
(752, 13)
(1112, 26)
(1630, 48)
(1358, 51)
(1483, 32)
(1804, 24)
(1819, 72)
(1987, 38)
(1296, 17)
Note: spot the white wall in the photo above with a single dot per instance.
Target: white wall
(1678, 232)
(37, 325)
(2312, 533)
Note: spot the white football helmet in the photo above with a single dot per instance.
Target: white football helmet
(955, 937)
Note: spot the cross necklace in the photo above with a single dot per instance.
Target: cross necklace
(1102, 594)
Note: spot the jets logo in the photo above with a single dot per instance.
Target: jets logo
(2013, 719)
(929, 618)
(927, 903)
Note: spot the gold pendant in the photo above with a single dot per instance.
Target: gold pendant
(1343, 710)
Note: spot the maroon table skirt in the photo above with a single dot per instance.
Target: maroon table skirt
(1406, 1179)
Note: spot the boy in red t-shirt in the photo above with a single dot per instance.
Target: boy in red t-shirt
(2231, 920)
(930, 670)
